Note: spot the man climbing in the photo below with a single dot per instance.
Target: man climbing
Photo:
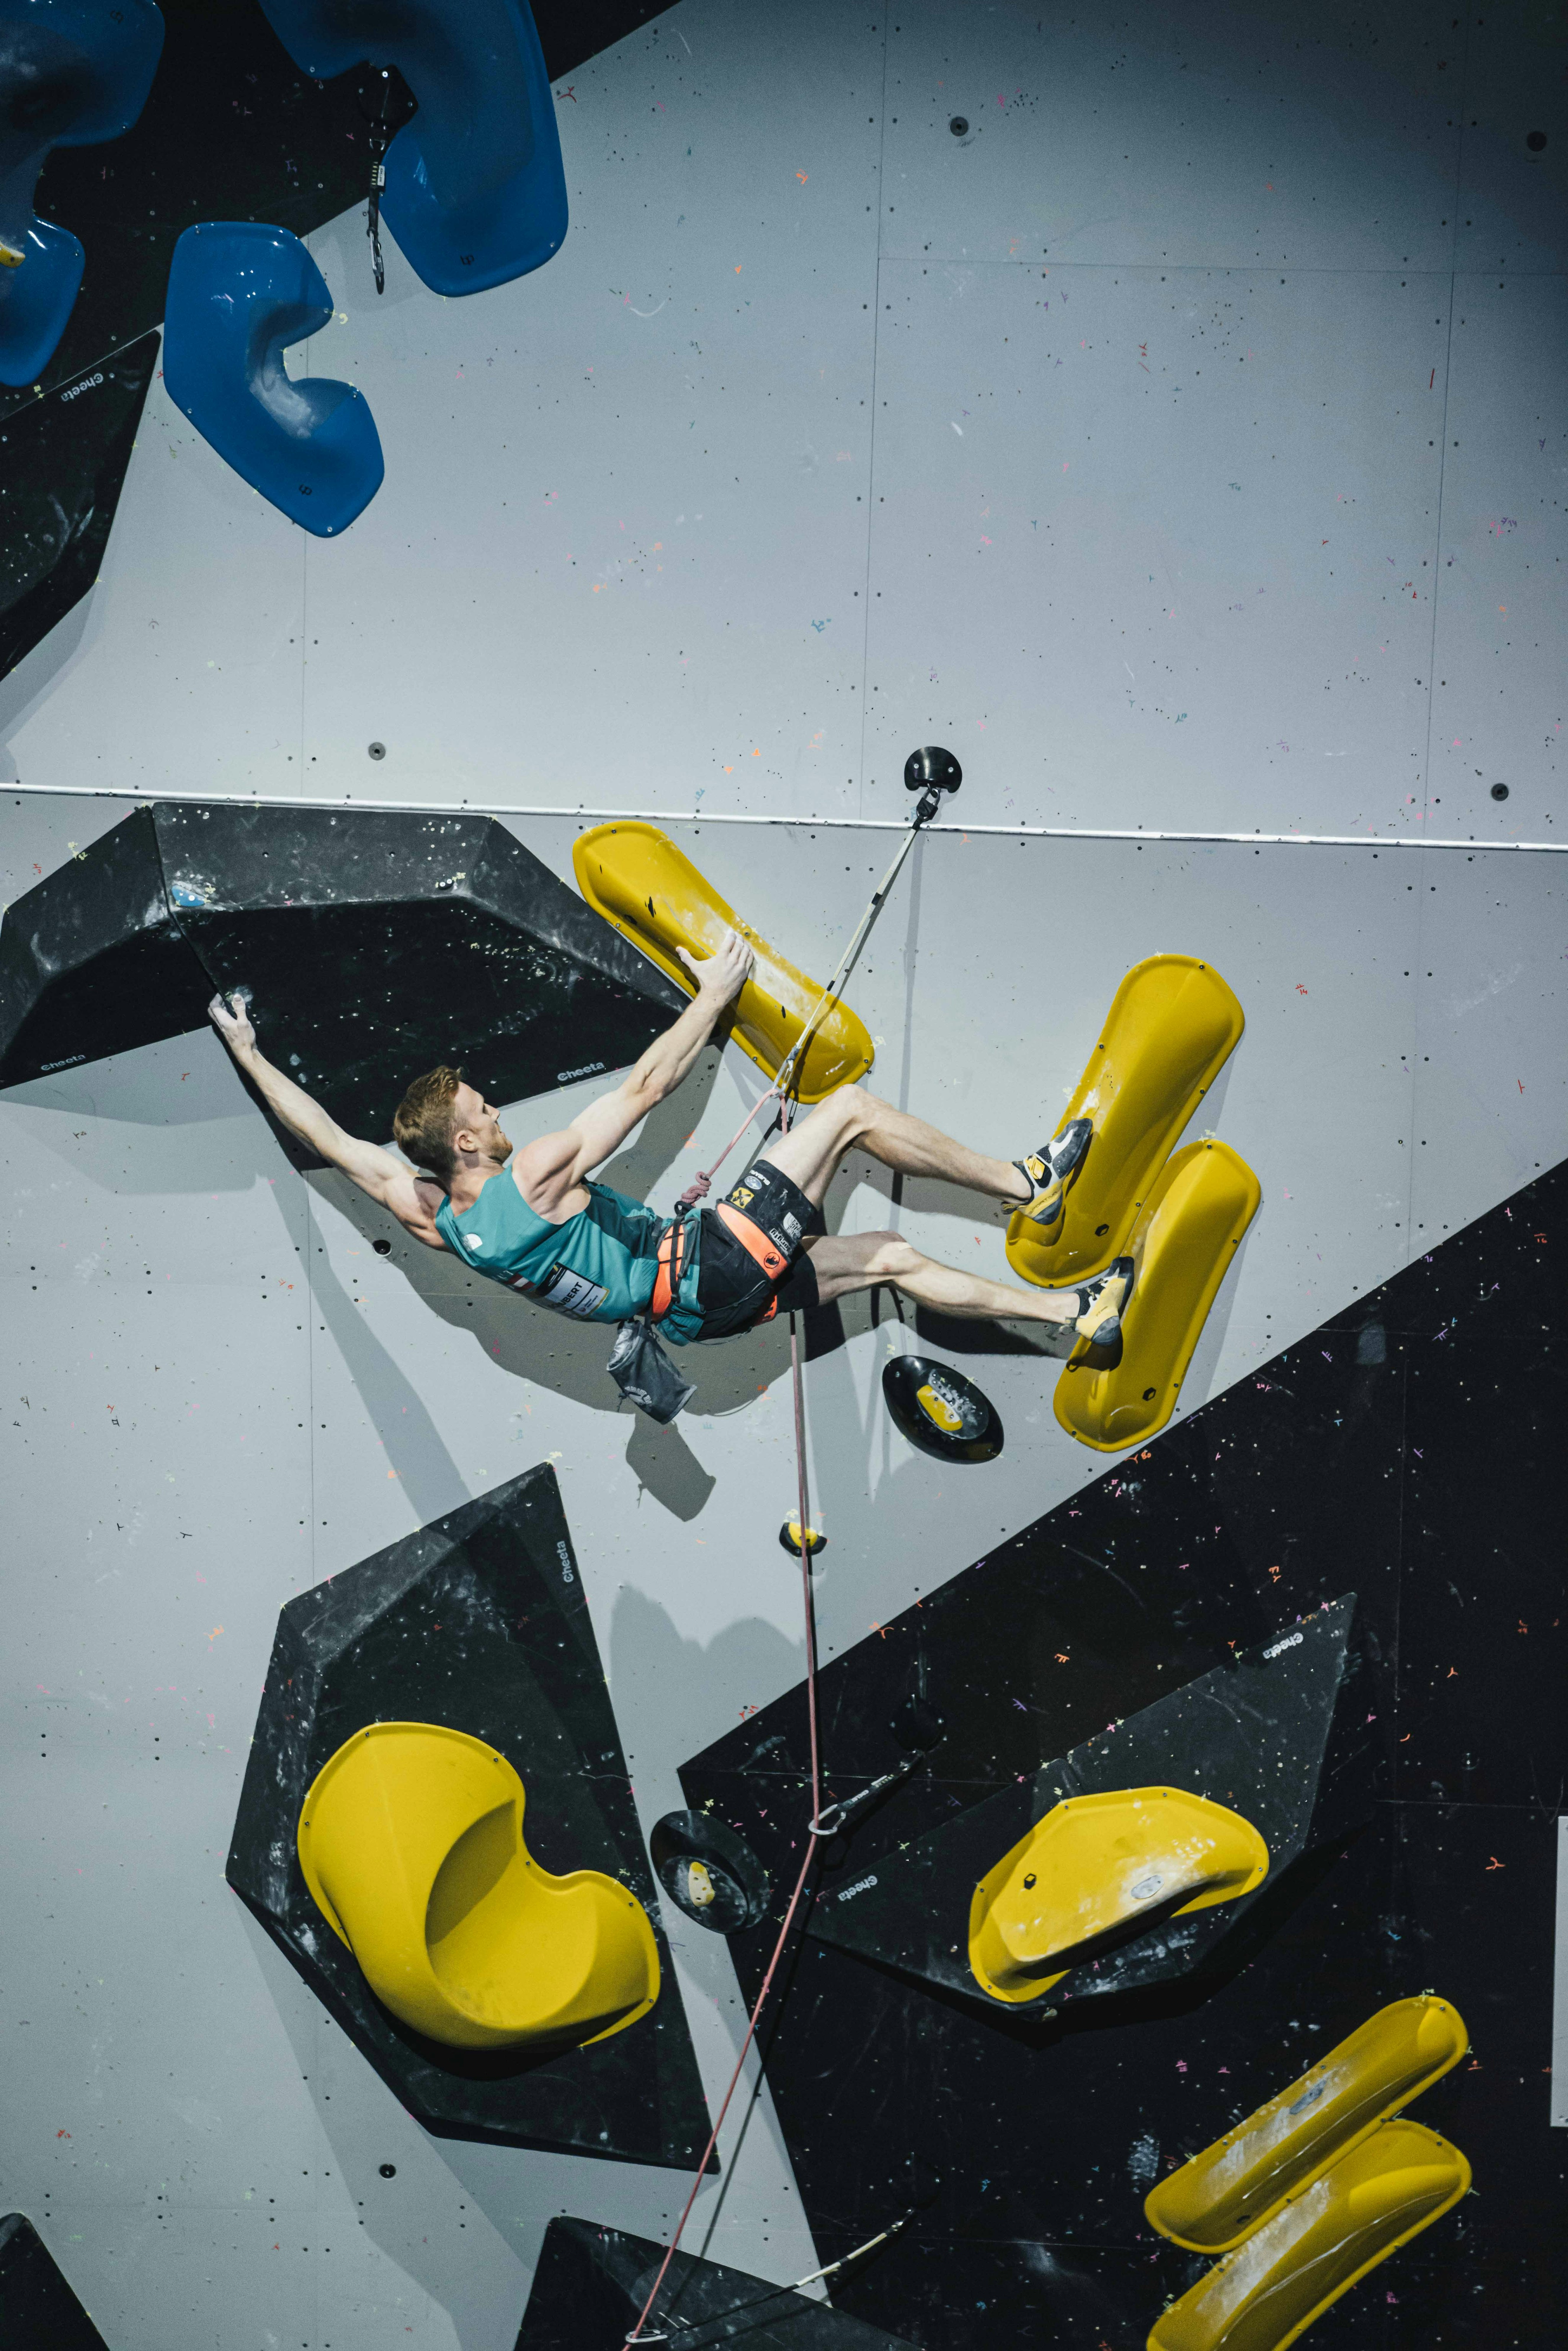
(536, 1221)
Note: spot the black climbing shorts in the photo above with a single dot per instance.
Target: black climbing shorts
(752, 1262)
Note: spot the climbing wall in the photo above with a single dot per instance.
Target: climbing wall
(1176, 441)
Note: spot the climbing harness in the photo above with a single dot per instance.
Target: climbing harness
(931, 772)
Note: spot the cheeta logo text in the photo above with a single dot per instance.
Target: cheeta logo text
(859, 1887)
(565, 1558)
(65, 1064)
(564, 1077)
(1288, 1642)
(85, 385)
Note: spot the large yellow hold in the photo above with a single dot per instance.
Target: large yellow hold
(1381, 2192)
(1211, 2203)
(1172, 1027)
(410, 1841)
(637, 878)
(1190, 1227)
(1095, 1864)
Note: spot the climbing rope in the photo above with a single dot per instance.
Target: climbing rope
(821, 1827)
(814, 1834)
(782, 1090)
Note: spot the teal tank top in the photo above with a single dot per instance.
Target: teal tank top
(600, 1266)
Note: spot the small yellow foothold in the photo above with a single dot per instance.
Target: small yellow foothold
(700, 1887)
(937, 1408)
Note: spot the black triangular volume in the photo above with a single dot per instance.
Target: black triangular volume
(38, 2312)
(478, 1623)
(62, 466)
(1251, 1737)
(375, 946)
(591, 2283)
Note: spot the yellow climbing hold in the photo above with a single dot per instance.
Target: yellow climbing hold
(1098, 1863)
(411, 1840)
(636, 877)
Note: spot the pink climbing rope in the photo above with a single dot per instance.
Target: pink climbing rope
(813, 1836)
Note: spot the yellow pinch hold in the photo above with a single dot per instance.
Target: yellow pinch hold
(636, 877)
(1380, 2194)
(1097, 1863)
(937, 1409)
(1218, 2198)
(411, 1840)
(1191, 1228)
(1173, 1025)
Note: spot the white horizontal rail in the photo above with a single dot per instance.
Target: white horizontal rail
(840, 823)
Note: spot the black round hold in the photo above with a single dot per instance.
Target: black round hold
(377, 750)
(708, 1872)
(926, 1398)
(389, 2172)
(1499, 791)
(932, 765)
(959, 126)
(1535, 140)
(918, 1725)
(381, 1248)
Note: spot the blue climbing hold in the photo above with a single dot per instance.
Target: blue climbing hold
(476, 191)
(72, 72)
(240, 293)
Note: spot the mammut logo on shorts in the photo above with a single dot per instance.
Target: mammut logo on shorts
(859, 1887)
(1288, 1642)
(565, 1077)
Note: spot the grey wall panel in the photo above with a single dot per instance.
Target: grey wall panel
(564, 437)
(1323, 137)
(181, 672)
(1515, 196)
(1502, 602)
(634, 481)
(1157, 546)
(1491, 1101)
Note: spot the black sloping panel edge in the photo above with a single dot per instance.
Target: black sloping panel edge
(63, 460)
(375, 944)
(38, 2311)
(592, 2281)
(477, 1622)
(1251, 1736)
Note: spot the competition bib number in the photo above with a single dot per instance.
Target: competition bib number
(567, 1292)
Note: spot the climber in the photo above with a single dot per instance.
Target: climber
(534, 1220)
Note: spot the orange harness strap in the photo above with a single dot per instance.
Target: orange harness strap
(752, 1239)
(671, 1265)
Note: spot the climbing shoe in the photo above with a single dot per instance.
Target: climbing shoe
(1047, 1170)
(1103, 1302)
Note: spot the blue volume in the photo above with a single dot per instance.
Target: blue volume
(72, 72)
(476, 191)
(240, 293)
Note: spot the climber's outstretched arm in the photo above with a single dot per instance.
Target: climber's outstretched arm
(382, 1174)
(551, 1170)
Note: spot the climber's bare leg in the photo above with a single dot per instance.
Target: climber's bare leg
(855, 1120)
(843, 1262)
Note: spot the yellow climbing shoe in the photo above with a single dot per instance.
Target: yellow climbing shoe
(1049, 1171)
(1103, 1302)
